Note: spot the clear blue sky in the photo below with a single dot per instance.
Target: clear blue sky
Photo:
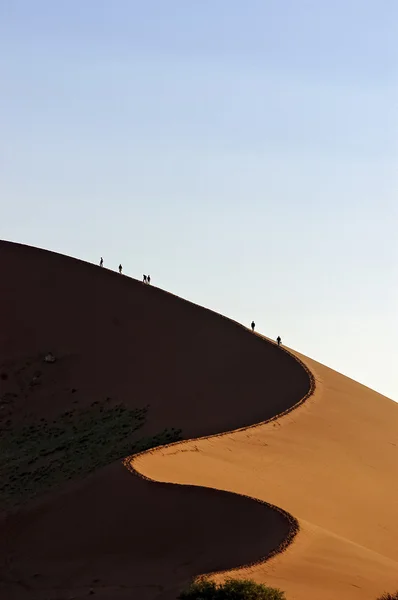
(244, 154)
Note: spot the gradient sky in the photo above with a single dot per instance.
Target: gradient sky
(244, 154)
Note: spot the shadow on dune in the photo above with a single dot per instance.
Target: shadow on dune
(119, 339)
(115, 531)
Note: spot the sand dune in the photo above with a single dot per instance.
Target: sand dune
(116, 338)
(331, 462)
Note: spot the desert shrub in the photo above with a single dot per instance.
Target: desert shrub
(389, 596)
(232, 589)
(200, 590)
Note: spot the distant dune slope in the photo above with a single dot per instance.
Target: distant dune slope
(333, 463)
(117, 339)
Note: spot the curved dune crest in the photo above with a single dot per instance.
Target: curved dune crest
(333, 463)
(114, 336)
(198, 382)
(132, 463)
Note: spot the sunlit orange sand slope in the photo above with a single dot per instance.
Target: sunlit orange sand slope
(333, 464)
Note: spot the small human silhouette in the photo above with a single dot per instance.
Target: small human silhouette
(148, 278)
(101, 262)
(279, 340)
(253, 325)
(120, 269)
(144, 278)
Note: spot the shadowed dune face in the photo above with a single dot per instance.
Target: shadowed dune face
(116, 533)
(115, 338)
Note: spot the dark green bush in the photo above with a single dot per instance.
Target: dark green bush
(232, 589)
(389, 596)
(203, 589)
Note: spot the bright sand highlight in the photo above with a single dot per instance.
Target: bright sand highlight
(333, 464)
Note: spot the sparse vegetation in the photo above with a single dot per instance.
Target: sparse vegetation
(232, 589)
(41, 455)
(387, 596)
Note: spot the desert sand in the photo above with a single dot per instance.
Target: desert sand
(331, 462)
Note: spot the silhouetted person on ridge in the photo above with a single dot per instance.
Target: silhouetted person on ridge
(101, 262)
(144, 278)
(279, 340)
(148, 278)
(253, 325)
(120, 269)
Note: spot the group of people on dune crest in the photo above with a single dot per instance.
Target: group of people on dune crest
(278, 339)
(145, 278)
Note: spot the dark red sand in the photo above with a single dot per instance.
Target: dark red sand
(115, 337)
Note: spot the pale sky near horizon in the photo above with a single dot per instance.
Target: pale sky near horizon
(244, 154)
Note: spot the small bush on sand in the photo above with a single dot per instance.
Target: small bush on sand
(232, 589)
(389, 596)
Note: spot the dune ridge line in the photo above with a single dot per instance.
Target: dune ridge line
(294, 526)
